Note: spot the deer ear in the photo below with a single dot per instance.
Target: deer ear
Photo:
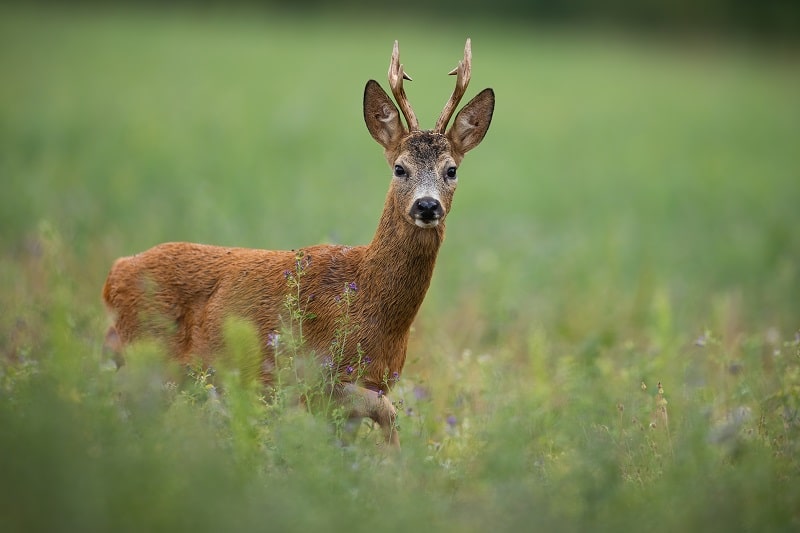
(382, 117)
(472, 122)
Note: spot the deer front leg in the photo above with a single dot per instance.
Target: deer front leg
(366, 403)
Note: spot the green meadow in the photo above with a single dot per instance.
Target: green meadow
(611, 340)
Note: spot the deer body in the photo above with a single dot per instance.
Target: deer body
(190, 289)
(183, 293)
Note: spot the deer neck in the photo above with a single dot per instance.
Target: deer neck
(398, 267)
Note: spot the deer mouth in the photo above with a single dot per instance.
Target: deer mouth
(426, 224)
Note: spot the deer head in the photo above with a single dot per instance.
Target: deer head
(425, 163)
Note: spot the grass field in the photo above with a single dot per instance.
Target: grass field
(611, 340)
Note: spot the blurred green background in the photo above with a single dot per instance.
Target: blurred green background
(632, 215)
(622, 162)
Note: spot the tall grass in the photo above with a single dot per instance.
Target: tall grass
(610, 340)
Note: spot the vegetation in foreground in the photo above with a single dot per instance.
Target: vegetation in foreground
(609, 343)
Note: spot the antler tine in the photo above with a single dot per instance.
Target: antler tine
(463, 72)
(396, 77)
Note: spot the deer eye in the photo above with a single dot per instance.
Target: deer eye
(399, 171)
(451, 173)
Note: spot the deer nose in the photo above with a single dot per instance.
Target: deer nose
(427, 210)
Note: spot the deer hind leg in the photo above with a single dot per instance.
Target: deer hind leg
(112, 347)
(366, 403)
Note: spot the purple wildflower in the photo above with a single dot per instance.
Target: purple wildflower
(395, 376)
(287, 274)
(272, 339)
(352, 287)
(421, 393)
(380, 393)
(366, 360)
(701, 340)
(350, 369)
(452, 421)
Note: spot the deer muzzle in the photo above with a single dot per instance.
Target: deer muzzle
(427, 212)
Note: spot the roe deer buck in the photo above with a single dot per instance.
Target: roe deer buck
(182, 293)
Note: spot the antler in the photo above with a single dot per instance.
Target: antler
(396, 77)
(463, 71)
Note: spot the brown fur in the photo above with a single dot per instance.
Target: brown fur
(183, 293)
